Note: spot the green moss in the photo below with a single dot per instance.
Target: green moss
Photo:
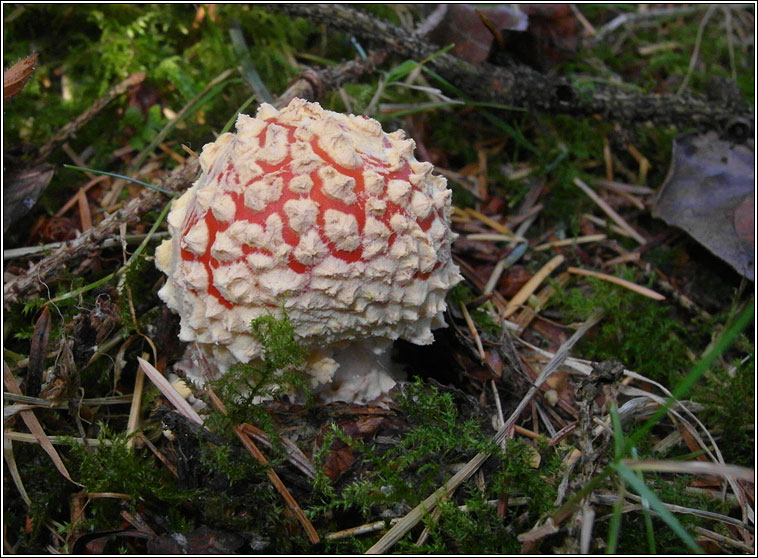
(729, 399)
(48, 491)
(406, 473)
(113, 467)
(279, 371)
(636, 330)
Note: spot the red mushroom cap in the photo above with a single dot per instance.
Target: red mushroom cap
(318, 212)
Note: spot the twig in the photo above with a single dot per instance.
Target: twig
(94, 401)
(520, 86)
(107, 243)
(644, 291)
(609, 211)
(33, 280)
(72, 127)
(312, 84)
(530, 286)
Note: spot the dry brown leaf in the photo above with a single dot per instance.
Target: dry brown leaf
(15, 77)
(710, 193)
(22, 187)
(37, 353)
(464, 25)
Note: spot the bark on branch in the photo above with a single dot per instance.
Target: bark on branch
(523, 87)
(310, 84)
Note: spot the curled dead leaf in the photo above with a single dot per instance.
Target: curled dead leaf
(465, 26)
(16, 77)
(21, 190)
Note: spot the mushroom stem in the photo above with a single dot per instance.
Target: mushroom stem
(364, 374)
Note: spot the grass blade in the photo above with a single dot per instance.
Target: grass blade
(127, 178)
(614, 527)
(642, 489)
(723, 343)
(233, 119)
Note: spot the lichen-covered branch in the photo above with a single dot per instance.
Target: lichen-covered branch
(310, 84)
(33, 279)
(523, 87)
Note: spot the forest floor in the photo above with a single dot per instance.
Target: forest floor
(594, 390)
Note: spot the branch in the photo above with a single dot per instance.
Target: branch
(310, 84)
(523, 87)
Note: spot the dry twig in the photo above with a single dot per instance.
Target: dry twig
(520, 86)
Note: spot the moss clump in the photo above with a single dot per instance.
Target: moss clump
(729, 399)
(416, 465)
(279, 371)
(395, 479)
(636, 330)
(49, 492)
(112, 466)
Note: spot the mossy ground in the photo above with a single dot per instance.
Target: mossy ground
(86, 49)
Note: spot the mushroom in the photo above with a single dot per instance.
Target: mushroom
(323, 216)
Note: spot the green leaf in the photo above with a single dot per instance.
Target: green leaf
(402, 70)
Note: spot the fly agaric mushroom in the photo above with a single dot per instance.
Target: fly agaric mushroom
(322, 215)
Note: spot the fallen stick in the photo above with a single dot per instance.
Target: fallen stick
(523, 87)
